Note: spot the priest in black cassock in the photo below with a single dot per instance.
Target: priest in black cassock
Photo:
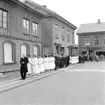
(23, 68)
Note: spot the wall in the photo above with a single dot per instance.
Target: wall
(16, 13)
(92, 40)
(47, 40)
(58, 31)
(15, 27)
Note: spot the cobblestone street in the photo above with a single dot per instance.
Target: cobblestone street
(84, 84)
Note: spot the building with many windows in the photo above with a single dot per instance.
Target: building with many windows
(57, 33)
(29, 28)
(92, 38)
(20, 32)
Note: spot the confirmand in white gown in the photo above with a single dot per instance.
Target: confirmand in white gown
(53, 62)
(29, 65)
(45, 63)
(49, 63)
(41, 64)
(35, 65)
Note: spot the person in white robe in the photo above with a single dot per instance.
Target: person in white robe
(35, 65)
(32, 64)
(49, 62)
(29, 65)
(53, 62)
(45, 63)
(41, 64)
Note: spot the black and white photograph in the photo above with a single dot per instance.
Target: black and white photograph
(52, 52)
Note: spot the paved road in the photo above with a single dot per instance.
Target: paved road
(83, 85)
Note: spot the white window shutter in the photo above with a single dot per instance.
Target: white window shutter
(8, 53)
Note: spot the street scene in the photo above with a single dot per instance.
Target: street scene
(68, 87)
(52, 52)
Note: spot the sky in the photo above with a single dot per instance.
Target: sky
(77, 11)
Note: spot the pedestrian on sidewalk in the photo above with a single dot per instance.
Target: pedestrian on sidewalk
(23, 68)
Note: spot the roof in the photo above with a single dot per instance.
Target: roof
(91, 28)
(47, 12)
(29, 7)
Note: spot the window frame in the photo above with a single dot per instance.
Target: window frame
(26, 28)
(56, 25)
(97, 42)
(2, 19)
(63, 37)
(87, 42)
(73, 33)
(34, 29)
(104, 40)
(27, 49)
(13, 45)
(68, 34)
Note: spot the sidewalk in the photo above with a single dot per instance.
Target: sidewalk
(15, 83)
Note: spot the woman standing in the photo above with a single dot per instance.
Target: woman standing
(29, 65)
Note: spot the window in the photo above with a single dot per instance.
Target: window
(62, 50)
(34, 29)
(56, 25)
(35, 50)
(9, 51)
(3, 19)
(63, 29)
(23, 50)
(68, 36)
(104, 40)
(87, 42)
(56, 35)
(57, 49)
(96, 40)
(3, 22)
(72, 37)
(26, 26)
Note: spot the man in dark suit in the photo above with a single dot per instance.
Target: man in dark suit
(23, 68)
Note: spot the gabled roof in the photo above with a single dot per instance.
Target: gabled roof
(47, 12)
(91, 28)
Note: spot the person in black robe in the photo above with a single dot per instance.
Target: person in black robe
(23, 68)
(68, 59)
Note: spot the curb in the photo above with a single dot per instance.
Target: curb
(30, 80)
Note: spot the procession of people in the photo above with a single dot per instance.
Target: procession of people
(35, 65)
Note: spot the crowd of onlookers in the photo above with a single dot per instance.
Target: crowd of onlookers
(83, 58)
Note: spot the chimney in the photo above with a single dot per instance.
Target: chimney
(44, 6)
(98, 21)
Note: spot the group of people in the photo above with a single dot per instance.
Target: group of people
(62, 61)
(36, 65)
(83, 58)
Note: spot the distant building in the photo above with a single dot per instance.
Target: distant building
(57, 33)
(92, 38)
